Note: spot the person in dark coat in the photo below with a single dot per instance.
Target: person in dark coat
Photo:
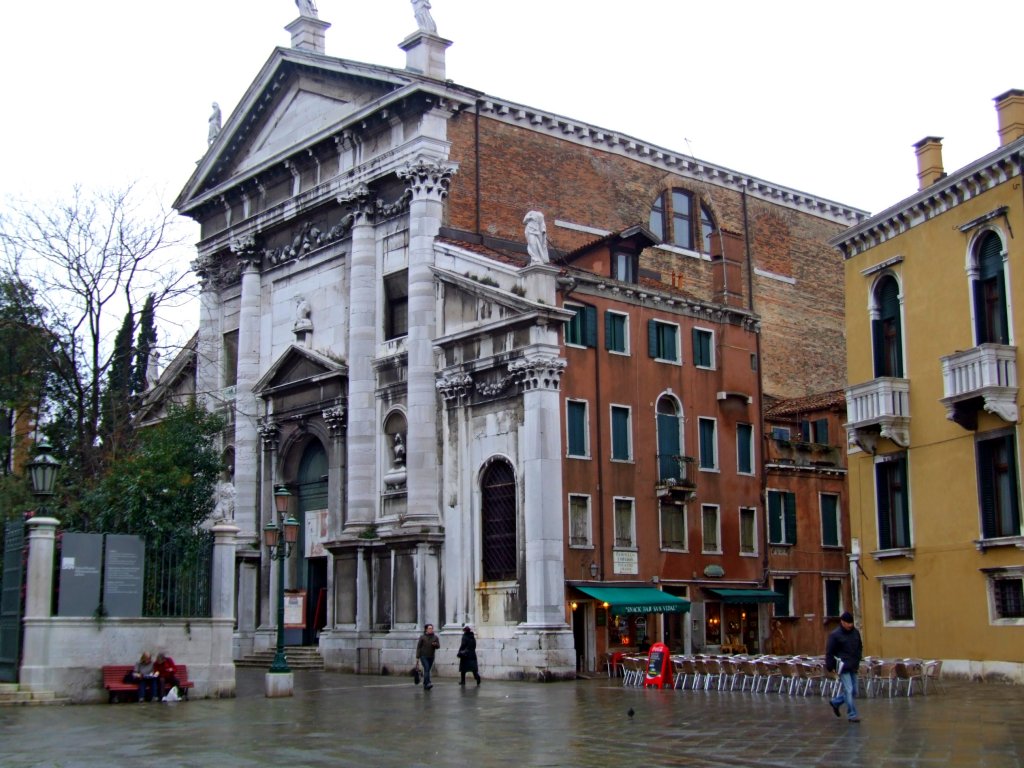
(843, 654)
(467, 655)
(425, 648)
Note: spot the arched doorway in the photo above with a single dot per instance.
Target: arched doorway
(311, 563)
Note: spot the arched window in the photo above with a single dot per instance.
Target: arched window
(989, 289)
(669, 441)
(679, 218)
(498, 522)
(887, 331)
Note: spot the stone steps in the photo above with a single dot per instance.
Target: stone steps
(299, 657)
(12, 696)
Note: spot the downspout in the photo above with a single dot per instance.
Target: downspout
(476, 163)
(760, 383)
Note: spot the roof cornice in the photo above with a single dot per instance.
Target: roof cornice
(969, 182)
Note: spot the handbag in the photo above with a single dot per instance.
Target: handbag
(416, 675)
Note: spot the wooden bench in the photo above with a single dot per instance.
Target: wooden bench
(113, 681)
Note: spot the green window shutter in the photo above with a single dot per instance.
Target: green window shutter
(882, 504)
(774, 517)
(744, 441)
(652, 338)
(805, 430)
(790, 499)
(829, 523)
(577, 429)
(609, 331)
(821, 431)
(620, 434)
(589, 326)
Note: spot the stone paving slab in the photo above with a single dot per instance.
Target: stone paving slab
(348, 720)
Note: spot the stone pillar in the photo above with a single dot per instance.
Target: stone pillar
(209, 343)
(222, 666)
(223, 580)
(246, 444)
(362, 345)
(540, 373)
(39, 580)
(428, 182)
(460, 549)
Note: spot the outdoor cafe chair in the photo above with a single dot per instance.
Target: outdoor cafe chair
(932, 669)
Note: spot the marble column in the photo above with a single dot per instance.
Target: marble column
(39, 579)
(361, 447)
(428, 182)
(540, 374)
(246, 438)
(208, 343)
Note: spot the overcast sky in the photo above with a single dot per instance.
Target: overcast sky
(823, 97)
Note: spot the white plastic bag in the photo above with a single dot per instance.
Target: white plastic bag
(172, 695)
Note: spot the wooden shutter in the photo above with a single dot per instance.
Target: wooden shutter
(790, 501)
(589, 326)
(774, 517)
(652, 338)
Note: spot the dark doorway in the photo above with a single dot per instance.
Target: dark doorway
(579, 636)
(316, 599)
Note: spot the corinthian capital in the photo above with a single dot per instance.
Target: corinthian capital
(454, 387)
(538, 372)
(358, 199)
(428, 179)
(268, 432)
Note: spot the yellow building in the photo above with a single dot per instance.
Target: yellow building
(934, 317)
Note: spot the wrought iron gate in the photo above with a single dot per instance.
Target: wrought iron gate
(10, 600)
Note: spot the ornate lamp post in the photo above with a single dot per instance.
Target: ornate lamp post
(280, 550)
(43, 472)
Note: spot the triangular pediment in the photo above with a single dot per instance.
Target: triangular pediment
(296, 99)
(298, 366)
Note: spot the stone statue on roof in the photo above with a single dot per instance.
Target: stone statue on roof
(214, 124)
(536, 237)
(423, 18)
(307, 8)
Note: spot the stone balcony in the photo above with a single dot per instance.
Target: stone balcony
(796, 453)
(981, 378)
(878, 408)
(676, 478)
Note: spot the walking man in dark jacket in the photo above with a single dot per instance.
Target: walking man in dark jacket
(425, 647)
(843, 653)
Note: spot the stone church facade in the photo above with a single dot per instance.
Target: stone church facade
(387, 342)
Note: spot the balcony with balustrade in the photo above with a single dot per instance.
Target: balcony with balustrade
(677, 478)
(878, 408)
(981, 378)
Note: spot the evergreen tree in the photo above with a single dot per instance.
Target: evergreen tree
(145, 346)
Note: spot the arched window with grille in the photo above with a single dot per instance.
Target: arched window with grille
(989, 290)
(498, 521)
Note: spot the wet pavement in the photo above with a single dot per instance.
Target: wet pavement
(348, 720)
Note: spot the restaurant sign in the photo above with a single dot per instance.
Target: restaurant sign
(625, 562)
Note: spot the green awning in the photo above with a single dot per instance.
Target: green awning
(744, 595)
(626, 600)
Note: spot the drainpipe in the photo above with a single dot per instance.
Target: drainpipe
(760, 381)
(476, 163)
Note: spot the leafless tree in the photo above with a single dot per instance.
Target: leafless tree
(91, 258)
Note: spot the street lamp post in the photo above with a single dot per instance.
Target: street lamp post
(280, 537)
(43, 472)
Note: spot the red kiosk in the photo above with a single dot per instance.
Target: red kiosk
(659, 667)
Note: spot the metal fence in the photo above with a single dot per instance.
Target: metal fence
(176, 580)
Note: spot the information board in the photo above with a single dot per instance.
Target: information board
(81, 556)
(123, 564)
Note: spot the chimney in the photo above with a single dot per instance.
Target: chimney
(929, 161)
(1010, 108)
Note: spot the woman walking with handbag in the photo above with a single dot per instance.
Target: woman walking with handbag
(467, 655)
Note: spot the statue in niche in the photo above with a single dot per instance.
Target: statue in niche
(398, 447)
(307, 8)
(303, 311)
(214, 123)
(536, 237)
(224, 505)
(423, 18)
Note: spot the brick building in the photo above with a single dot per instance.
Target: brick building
(479, 420)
